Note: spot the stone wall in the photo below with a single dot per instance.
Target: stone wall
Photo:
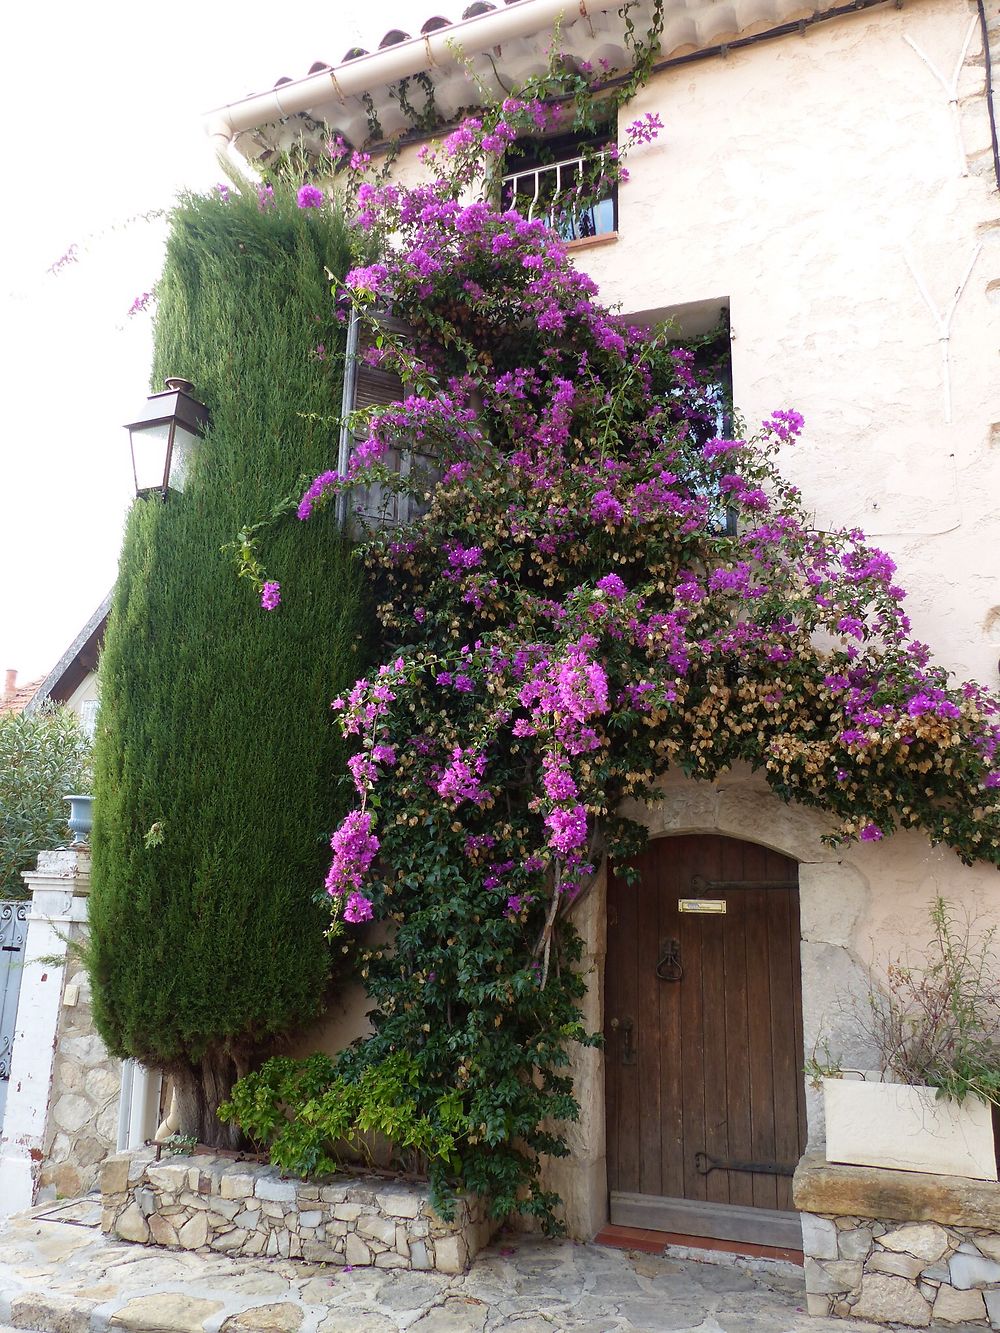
(900, 1247)
(61, 1115)
(82, 1125)
(241, 1208)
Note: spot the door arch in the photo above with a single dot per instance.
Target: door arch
(704, 1091)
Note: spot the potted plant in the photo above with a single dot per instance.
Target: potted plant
(935, 1022)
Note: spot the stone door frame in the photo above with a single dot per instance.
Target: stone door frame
(832, 895)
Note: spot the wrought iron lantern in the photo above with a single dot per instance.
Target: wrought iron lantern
(163, 436)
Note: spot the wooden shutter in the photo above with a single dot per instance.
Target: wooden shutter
(368, 386)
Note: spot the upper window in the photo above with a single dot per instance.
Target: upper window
(563, 180)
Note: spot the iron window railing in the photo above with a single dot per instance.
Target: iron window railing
(555, 191)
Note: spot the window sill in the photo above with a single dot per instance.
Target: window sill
(589, 242)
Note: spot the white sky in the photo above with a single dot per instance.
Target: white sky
(101, 106)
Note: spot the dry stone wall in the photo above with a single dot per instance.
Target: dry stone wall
(899, 1247)
(241, 1208)
(82, 1125)
(901, 1273)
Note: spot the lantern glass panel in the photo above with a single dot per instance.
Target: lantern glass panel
(149, 454)
(180, 460)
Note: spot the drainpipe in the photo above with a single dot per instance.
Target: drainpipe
(430, 50)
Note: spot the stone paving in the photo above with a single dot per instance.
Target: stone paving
(59, 1274)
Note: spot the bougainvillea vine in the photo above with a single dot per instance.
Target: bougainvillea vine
(600, 585)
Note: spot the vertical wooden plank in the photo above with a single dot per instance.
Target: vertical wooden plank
(692, 1030)
(612, 972)
(759, 1029)
(737, 1033)
(785, 1066)
(646, 1015)
(670, 992)
(628, 1081)
(713, 935)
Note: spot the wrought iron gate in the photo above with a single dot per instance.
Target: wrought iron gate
(13, 929)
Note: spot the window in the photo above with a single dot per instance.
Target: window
(703, 327)
(561, 179)
(88, 717)
(368, 385)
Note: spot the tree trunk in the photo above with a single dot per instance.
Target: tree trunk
(201, 1089)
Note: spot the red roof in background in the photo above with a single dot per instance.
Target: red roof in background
(15, 697)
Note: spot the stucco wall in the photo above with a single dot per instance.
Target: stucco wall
(794, 181)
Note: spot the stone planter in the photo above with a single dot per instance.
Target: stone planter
(894, 1125)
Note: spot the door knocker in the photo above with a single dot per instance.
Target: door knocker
(670, 968)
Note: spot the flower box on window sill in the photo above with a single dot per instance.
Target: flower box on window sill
(908, 1128)
(588, 242)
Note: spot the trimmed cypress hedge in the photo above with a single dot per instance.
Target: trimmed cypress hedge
(216, 761)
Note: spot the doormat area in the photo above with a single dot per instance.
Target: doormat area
(655, 1242)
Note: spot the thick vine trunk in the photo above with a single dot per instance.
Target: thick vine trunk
(201, 1089)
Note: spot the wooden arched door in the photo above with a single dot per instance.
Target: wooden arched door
(703, 1031)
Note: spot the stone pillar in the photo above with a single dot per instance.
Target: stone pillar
(62, 1100)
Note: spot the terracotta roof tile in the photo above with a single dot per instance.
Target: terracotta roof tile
(15, 700)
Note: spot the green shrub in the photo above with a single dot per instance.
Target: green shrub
(216, 765)
(44, 756)
(311, 1119)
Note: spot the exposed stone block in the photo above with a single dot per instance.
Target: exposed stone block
(899, 1265)
(819, 1237)
(167, 1176)
(194, 1232)
(225, 1208)
(282, 1317)
(54, 1314)
(71, 1112)
(927, 1241)
(865, 1191)
(972, 1270)
(277, 1191)
(887, 1300)
(958, 1307)
(399, 1203)
(347, 1212)
(162, 1231)
(131, 1225)
(166, 1310)
(233, 1186)
(382, 1229)
(451, 1254)
(855, 1244)
(830, 1276)
(356, 1251)
(420, 1259)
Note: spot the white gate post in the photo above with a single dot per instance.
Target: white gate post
(59, 889)
(139, 1108)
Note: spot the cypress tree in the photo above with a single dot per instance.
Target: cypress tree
(216, 764)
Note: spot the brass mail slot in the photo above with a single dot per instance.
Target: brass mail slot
(708, 906)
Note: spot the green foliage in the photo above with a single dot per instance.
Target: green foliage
(44, 756)
(216, 765)
(935, 1020)
(312, 1119)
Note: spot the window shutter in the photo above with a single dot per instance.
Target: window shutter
(369, 386)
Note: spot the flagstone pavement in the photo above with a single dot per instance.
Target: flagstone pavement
(59, 1274)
